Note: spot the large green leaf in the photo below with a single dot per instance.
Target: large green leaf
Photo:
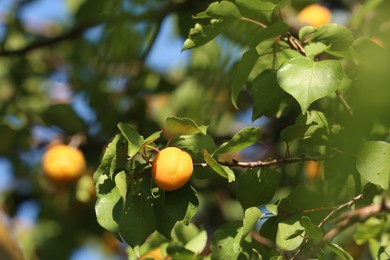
(223, 9)
(257, 186)
(311, 229)
(337, 36)
(137, 221)
(308, 81)
(184, 126)
(244, 138)
(266, 94)
(251, 217)
(272, 31)
(196, 143)
(222, 170)
(339, 251)
(373, 163)
(244, 68)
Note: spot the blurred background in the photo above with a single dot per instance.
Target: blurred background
(70, 70)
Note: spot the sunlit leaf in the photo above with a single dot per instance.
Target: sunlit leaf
(290, 234)
(311, 229)
(184, 126)
(308, 81)
(108, 210)
(339, 251)
(222, 170)
(244, 138)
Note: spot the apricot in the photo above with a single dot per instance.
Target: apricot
(62, 163)
(171, 168)
(315, 15)
(313, 170)
(155, 254)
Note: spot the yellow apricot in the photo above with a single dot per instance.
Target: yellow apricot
(315, 15)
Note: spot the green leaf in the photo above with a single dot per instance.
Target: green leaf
(113, 160)
(259, 10)
(290, 234)
(370, 229)
(181, 204)
(251, 217)
(134, 139)
(373, 163)
(308, 81)
(337, 36)
(153, 137)
(339, 251)
(267, 95)
(248, 60)
(184, 126)
(198, 243)
(108, 208)
(309, 126)
(257, 186)
(202, 34)
(137, 221)
(225, 243)
(223, 9)
(311, 229)
(222, 170)
(315, 48)
(244, 138)
(196, 143)
(121, 184)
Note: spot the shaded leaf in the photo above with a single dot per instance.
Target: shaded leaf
(267, 95)
(248, 60)
(257, 186)
(272, 31)
(134, 139)
(373, 163)
(339, 251)
(311, 229)
(137, 221)
(308, 81)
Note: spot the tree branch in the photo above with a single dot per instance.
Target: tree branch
(344, 102)
(255, 164)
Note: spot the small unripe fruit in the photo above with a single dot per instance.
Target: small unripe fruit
(172, 168)
(62, 163)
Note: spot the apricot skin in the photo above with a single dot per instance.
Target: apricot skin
(171, 168)
(62, 163)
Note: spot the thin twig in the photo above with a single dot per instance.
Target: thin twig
(254, 22)
(255, 164)
(344, 102)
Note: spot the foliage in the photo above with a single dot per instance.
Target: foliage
(321, 94)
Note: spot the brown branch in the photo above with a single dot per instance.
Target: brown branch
(344, 102)
(262, 240)
(255, 164)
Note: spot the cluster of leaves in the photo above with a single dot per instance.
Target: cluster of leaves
(320, 76)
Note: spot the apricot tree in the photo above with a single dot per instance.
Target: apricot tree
(332, 82)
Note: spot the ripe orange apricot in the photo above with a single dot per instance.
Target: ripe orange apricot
(171, 168)
(313, 170)
(315, 15)
(155, 254)
(62, 163)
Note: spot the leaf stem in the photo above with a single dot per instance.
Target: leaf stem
(344, 102)
(254, 22)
